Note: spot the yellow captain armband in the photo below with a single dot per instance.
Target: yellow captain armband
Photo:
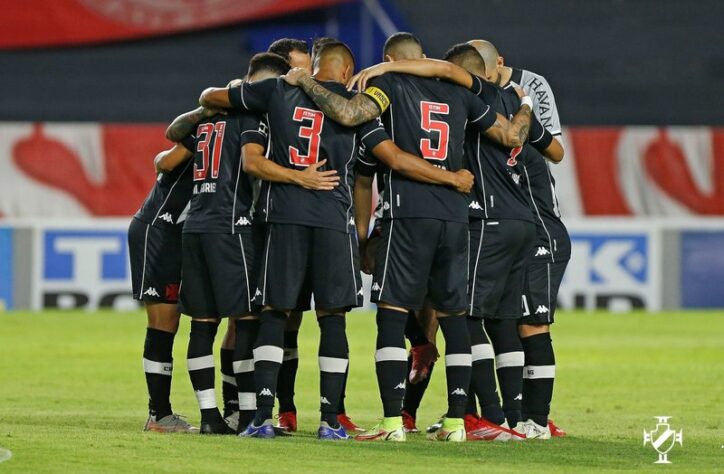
(379, 97)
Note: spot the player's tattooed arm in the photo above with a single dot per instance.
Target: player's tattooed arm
(349, 112)
(511, 133)
(215, 98)
(185, 123)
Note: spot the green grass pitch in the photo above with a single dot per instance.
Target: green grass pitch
(72, 399)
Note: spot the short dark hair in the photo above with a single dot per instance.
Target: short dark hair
(268, 62)
(318, 42)
(333, 44)
(284, 46)
(398, 39)
(464, 51)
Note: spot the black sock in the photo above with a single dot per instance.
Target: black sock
(333, 362)
(228, 382)
(471, 407)
(509, 360)
(457, 363)
(415, 391)
(391, 359)
(247, 331)
(201, 368)
(268, 356)
(482, 382)
(414, 332)
(158, 366)
(288, 372)
(342, 408)
(538, 376)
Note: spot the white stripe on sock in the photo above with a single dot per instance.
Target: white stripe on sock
(243, 366)
(510, 359)
(206, 398)
(390, 353)
(333, 365)
(290, 354)
(539, 372)
(161, 368)
(203, 362)
(458, 360)
(482, 351)
(247, 401)
(269, 353)
(228, 379)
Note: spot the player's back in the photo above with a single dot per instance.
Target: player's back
(223, 193)
(300, 136)
(426, 117)
(165, 204)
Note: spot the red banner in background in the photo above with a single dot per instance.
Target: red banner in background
(75, 170)
(38, 23)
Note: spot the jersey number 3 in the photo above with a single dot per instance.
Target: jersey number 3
(429, 125)
(311, 133)
(205, 131)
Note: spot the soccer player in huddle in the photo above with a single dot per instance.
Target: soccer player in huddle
(549, 255)
(218, 251)
(311, 234)
(154, 242)
(426, 118)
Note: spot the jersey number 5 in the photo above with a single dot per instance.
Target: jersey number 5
(205, 131)
(430, 125)
(311, 133)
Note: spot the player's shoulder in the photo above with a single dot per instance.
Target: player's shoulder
(526, 76)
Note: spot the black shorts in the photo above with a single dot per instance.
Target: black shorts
(499, 252)
(218, 275)
(155, 255)
(543, 280)
(298, 258)
(418, 258)
(304, 303)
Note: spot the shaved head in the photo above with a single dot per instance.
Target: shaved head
(487, 51)
(402, 46)
(334, 60)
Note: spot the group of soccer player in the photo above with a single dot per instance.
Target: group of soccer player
(265, 202)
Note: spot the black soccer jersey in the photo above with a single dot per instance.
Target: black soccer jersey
(427, 118)
(222, 194)
(498, 192)
(552, 240)
(164, 206)
(301, 135)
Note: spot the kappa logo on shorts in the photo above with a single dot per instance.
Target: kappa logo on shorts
(519, 397)
(324, 401)
(361, 292)
(400, 385)
(475, 205)
(542, 251)
(243, 221)
(151, 291)
(541, 309)
(166, 217)
(266, 392)
(257, 293)
(459, 391)
(376, 286)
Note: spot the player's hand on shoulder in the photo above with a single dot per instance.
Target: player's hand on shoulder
(312, 178)
(518, 90)
(295, 75)
(464, 181)
(359, 81)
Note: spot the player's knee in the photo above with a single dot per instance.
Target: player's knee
(163, 316)
(527, 330)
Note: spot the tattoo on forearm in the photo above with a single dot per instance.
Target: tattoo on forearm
(521, 125)
(350, 112)
(184, 124)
